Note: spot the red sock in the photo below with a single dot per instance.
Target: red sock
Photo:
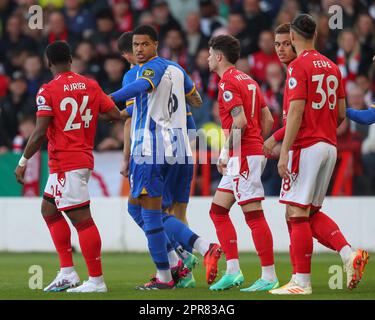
(327, 232)
(262, 236)
(60, 233)
(89, 240)
(291, 253)
(225, 231)
(302, 243)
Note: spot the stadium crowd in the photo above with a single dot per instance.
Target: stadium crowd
(185, 26)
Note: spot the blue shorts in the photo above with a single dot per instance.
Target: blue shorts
(177, 184)
(147, 179)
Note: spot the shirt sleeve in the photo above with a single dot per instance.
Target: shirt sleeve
(341, 88)
(44, 103)
(153, 71)
(231, 97)
(189, 85)
(297, 83)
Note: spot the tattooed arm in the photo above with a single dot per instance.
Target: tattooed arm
(234, 139)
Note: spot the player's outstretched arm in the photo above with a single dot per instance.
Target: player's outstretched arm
(362, 116)
(342, 111)
(141, 85)
(33, 145)
(267, 122)
(293, 124)
(194, 100)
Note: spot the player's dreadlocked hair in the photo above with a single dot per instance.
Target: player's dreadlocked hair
(58, 52)
(125, 42)
(146, 30)
(228, 45)
(304, 25)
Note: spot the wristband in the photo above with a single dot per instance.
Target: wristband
(22, 161)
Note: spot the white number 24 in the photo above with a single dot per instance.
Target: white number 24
(86, 118)
(330, 91)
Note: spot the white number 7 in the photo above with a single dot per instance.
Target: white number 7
(252, 88)
(87, 117)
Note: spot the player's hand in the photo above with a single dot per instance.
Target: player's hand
(282, 166)
(222, 165)
(125, 168)
(268, 145)
(20, 174)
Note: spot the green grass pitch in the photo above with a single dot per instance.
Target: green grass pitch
(123, 271)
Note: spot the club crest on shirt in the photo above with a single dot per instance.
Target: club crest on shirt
(149, 73)
(40, 100)
(227, 96)
(292, 83)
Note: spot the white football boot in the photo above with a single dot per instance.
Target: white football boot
(63, 281)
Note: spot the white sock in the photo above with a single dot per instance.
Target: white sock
(201, 245)
(173, 258)
(164, 275)
(96, 280)
(268, 273)
(293, 279)
(233, 266)
(345, 253)
(303, 279)
(67, 270)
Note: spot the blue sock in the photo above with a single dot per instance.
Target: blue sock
(179, 232)
(135, 212)
(157, 240)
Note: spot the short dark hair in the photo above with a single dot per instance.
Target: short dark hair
(146, 30)
(282, 28)
(228, 45)
(125, 42)
(59, 52)
(304, 25)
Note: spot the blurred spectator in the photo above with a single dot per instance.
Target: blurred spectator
(348, 57)
(259, 60)
(174, 48)
(147, 18)
(78, 19)
(284, 16)
(79, 66)
(16, 59)
(123, 16)
(194, 37)
(57, 30)
(25, 129)
(204, 81)
(105, 32)
(256, 21)
(114, 70)
(242, 64)
(364, 82)
(6, 9)
(4, 82)
(54, 4)
(87, 53)
(237, 28)
(16, 104)
(115, 140)
(180, 8)
(34, 73)
(14, 37)
(368, 160)
(325, 42)
(356, 100)
(210, 21)
(365, 31)
(163, 18)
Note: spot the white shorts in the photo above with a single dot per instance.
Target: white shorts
(311, 170)
(69, 189)
(244, 181)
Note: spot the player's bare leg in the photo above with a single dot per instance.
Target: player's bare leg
(302, 248)
(59, 229)
(179, 210)
(157, 243)
(90, 243)
(327, 232)
(263, 242)
(227, 236)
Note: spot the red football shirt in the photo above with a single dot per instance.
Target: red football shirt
(236, 88)
(74, 102)
(316, 79)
